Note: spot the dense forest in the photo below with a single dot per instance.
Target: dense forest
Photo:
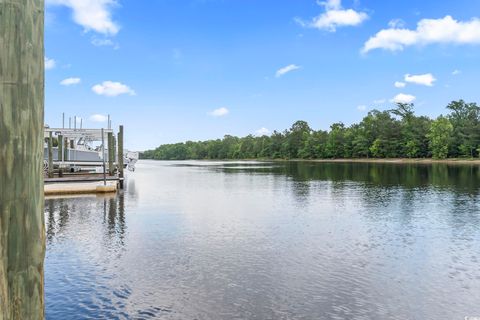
(396, 133)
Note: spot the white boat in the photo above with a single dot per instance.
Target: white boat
(84, 155)
(130, 159)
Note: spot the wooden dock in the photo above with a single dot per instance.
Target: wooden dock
(74, 166)
(85, 187)
(80, 178)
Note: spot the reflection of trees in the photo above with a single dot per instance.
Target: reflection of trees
(398, 184)
(458, 178)
(382, 182)
(301, 190)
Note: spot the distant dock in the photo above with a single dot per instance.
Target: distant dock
(84, 161)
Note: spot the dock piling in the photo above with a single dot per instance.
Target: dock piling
(103, 158)
(65, 150)
(50, 156)
(110, 153)
(60, 148)
(22, 219)
(120, 155)
(114, 145)
(60, 153)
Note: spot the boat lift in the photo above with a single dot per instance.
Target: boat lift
(76, 152)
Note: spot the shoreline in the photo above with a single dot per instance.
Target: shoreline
(395, 161)
(458, 161)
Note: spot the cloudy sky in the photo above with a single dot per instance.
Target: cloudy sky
(176, 70)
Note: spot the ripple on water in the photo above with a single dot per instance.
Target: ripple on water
(268, 241)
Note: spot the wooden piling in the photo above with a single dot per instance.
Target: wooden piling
(60, 154)
(60, 148)
(65, 150)
(114, 153)
(114, 144)
(50, 156)
(120, 155)
(110, 153)
(22, 228)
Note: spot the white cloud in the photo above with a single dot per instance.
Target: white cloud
(422, 79)
(220, 112)
(335, 16)
(70, 81)
(104, 43)
(429, 31)
(396, 23)
(331, 4)
(403, 98)
(399, 84)
(98, 118)
(362, 108)
(112, 89)
(262, 132)
(49, 63)
(456, 72)
(280, 72)
(93, 15)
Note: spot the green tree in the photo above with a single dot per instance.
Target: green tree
(335, 145)
(383, 134)
(393, 133)
(440, 136)
(296, 137)
(465, 118)
(413, 140)
(359, 142)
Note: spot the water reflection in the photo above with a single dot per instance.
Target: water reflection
(116, 218)
(465, 178)
(59, 213)
(262, 240)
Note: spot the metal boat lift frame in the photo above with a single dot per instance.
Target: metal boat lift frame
(65, 136)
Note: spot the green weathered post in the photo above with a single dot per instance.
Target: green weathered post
(22, 229)
(120, 155)
(60, 148)
(103, 158)
(60, 154)
(114, 145)
(110, 153)
(50, 155)
(65, 149)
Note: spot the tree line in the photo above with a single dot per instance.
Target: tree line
(396, 133)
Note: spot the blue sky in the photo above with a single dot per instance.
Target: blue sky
(177, 70)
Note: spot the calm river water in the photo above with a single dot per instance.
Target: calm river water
(257, 240)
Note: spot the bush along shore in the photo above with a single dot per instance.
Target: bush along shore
(396, 133)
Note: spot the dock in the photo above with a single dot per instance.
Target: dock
(83, 161)
(81, 179)
(56, 189)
